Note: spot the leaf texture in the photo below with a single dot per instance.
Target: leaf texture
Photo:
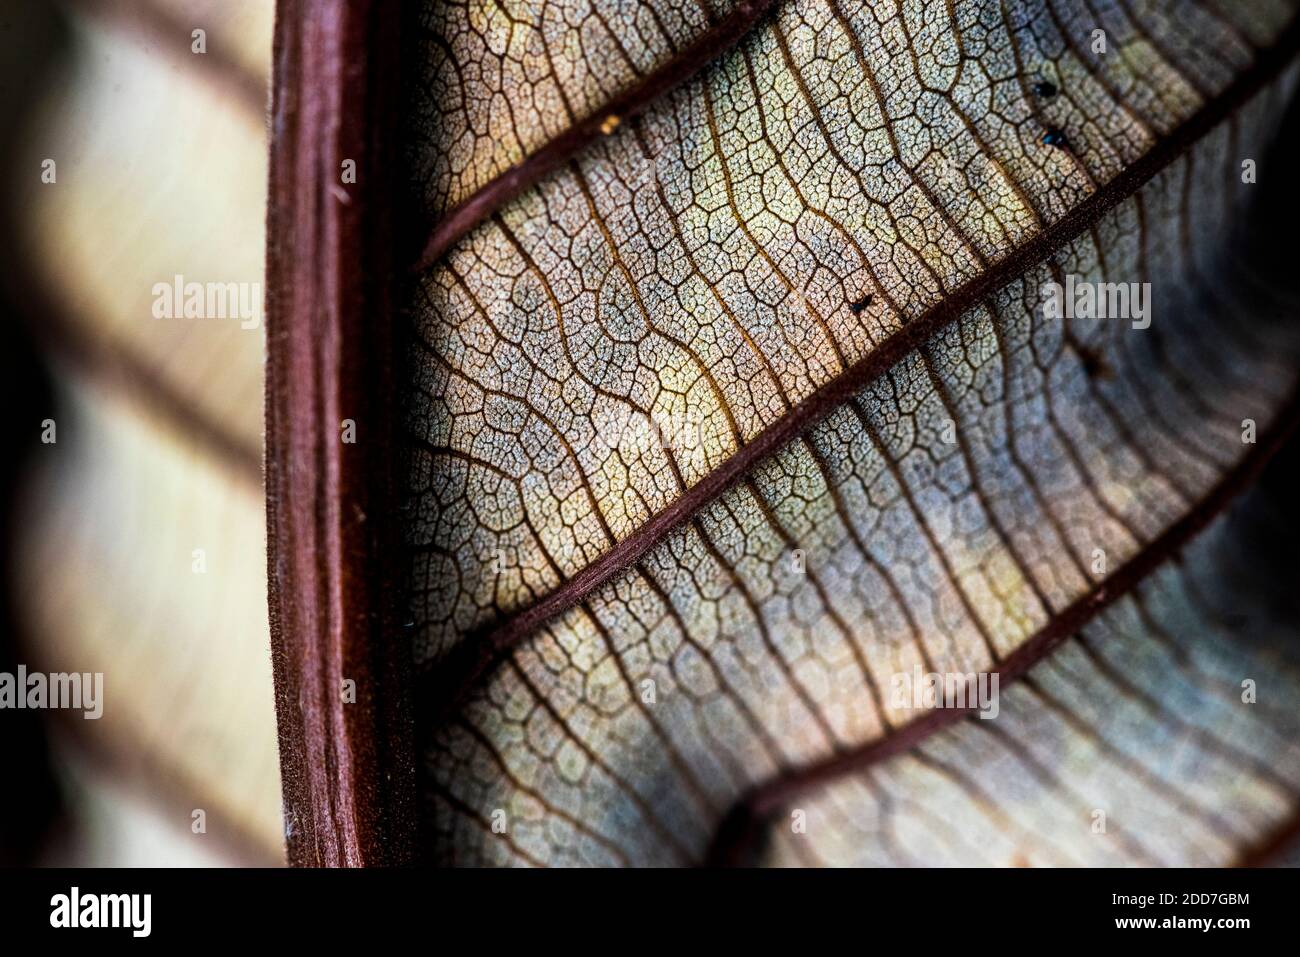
(1140, 716)
(703, 271)
(506, 85)
(826, 257)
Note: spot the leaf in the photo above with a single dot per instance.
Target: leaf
(738, 325)
(819, 267)
(124, 214)
(109, 585)
(160, 159)
(1142, 717)
(506, 94)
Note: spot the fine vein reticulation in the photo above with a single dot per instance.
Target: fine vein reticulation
(1068, 773)
(853, 187)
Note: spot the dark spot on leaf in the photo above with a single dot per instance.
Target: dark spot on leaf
(1044, 90)
(1054, 137)
(857, 307)
(1095, 365)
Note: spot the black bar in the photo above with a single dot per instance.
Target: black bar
(460, 910)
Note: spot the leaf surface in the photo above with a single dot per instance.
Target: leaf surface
(765, 243)
(126, 214)
(819, 269)
(506, 91)
(1144, 716)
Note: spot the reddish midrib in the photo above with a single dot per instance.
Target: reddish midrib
(347, 768)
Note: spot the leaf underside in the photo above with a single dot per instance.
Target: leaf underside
(818, 265)
(1140, 717)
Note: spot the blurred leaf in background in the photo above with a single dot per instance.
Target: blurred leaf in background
(138, 549)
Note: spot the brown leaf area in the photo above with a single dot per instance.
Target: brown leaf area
(754, 406)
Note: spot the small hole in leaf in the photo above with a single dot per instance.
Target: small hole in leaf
(1054, 137)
